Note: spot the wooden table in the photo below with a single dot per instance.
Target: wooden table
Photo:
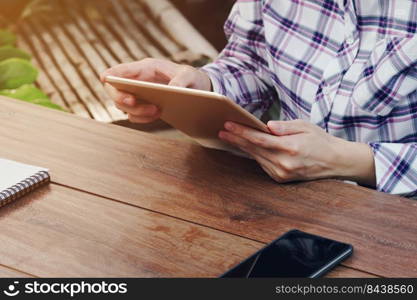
(127, 203)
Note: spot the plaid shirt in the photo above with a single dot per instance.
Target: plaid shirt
(348, 66)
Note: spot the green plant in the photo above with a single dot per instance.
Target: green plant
(7, 52)
(17, 74)
(7, 38)
(30, 93)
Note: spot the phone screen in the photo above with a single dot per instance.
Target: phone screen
(295, 254)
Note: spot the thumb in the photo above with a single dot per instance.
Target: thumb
(287, 127)
(182, 79)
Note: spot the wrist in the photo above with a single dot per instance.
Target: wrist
(356, 163)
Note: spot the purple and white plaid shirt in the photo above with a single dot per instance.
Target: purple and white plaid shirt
(348, 66)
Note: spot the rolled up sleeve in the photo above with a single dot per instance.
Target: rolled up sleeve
(396, 168)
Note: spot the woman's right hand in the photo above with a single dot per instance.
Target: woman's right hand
(152, 70)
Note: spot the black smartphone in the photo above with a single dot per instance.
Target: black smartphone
(295, 254)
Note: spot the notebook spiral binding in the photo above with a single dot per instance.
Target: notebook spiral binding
(24, 187)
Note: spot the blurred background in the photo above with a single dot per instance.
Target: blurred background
(208, 16)
(53, 51)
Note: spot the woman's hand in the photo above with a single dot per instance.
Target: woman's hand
(152, 70)
(297, 150)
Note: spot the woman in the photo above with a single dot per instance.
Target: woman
(344, 72)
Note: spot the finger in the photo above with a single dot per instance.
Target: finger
(265, 157)
(142, 110)
(184, 78)
(275, 172)
(163, 70)
(258, 138)
(273, 169)
(190, 77)
(127, 70)
(120, 97)
(235, 140)
(148, 69)
(281, 128)
(245, 145)
(143, 120)
(254, 136)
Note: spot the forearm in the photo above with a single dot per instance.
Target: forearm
(354, 161)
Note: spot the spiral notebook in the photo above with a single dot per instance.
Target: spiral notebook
(17, 180)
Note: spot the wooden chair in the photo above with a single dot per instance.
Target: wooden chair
(72, 42)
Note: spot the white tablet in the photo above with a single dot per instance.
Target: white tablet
(198, 114)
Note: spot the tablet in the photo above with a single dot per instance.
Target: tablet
(198, 114)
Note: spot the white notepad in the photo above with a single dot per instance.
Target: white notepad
(17, 179)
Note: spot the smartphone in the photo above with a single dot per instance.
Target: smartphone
(295, 254)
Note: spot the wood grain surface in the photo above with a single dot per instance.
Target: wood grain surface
(343, 272)
(7, 272)
(210, 188)
(61, 232)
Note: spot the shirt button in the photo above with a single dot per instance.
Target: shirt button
(350, 40)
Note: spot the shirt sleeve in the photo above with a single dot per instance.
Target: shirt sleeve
(241, 70)
(390, 91)
(396, 168)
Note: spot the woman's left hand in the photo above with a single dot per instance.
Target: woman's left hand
(298, 150)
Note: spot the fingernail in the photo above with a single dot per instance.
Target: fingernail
(153, 110)
(128, 101)
(230, 126)
(222, 135)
